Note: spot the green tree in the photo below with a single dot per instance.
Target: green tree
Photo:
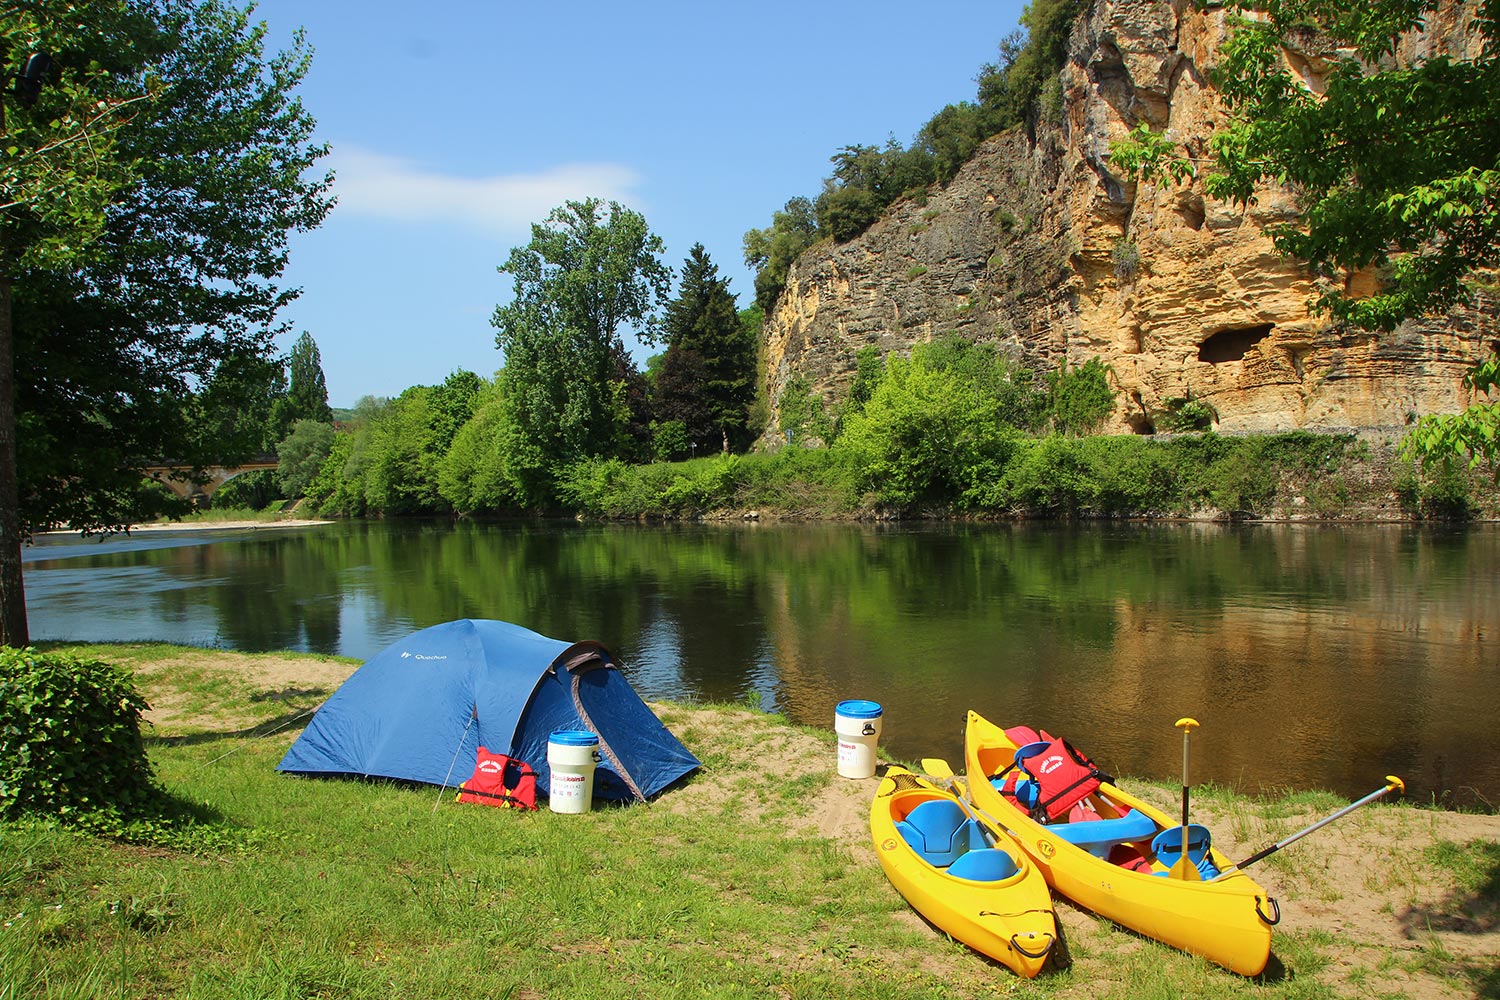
(475, 474)
(772, 251)
(307, 389)
(703, 320)
(170, 261)
(678, 401)
(589, 271)
(926, 434)
(1395, 162)
(301, 454)
(59, 170)
(231, 414)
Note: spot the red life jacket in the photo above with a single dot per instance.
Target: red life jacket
(500, 781)
(1063, 777)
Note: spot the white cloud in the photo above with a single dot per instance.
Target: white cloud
(387, 187)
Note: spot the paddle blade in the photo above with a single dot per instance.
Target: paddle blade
(937, 767)
(1185, 870)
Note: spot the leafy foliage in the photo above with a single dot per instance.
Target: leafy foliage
(772, 251)
(306, 395)
(1444, 439)
(804, 416)
(588, 271)
(867, 179)
(1184, 413)
(937, 426)
(70, 737)
(1081, 398)
(301, 454)
(180, 283)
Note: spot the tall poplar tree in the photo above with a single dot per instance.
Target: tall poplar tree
(306, 391)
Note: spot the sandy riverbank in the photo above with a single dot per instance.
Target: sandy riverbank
(208, 526)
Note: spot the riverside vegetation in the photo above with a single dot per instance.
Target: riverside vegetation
(956, 430)
(753, 878)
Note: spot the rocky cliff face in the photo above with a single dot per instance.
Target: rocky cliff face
(1040, 246)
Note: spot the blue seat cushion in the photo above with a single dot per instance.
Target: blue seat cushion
(1097, 836)
(1168, 848)
(984, 865)
(932, 831)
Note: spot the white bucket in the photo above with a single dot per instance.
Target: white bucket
(571, 755)
(858, 726)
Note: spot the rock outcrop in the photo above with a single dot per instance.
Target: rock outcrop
(1040, 246)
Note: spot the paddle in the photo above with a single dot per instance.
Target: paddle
(1393, 784)
(939, 769)
(1183, 868)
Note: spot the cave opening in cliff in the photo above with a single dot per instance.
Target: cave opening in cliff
(1232, 344)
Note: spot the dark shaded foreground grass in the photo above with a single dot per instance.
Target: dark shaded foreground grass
(755, 879)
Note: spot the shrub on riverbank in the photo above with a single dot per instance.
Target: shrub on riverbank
(70, 737)
(1296, 474)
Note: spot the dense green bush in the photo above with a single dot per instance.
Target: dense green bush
(70, 737)
(1080, 398)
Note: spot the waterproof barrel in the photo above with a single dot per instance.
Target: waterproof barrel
(857, 724)
(571, 756)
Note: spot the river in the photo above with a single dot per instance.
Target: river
(1313, 656)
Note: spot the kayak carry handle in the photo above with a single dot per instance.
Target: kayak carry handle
(1016, 944)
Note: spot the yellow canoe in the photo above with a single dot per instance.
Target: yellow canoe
(990, 898)
(1227, 921)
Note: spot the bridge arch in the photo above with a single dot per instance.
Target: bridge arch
(181, 479)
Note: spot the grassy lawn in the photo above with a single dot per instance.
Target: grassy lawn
(753, 879)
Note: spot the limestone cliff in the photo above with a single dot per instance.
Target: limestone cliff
(1040, 246)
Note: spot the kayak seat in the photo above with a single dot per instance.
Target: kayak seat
(1023, 793)
(984, 865)
(1097, 836)
(932, 830)
(1168, 848)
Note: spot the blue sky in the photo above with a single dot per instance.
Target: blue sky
(456, 125)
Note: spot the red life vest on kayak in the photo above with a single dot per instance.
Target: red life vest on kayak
(1063, 776)
(500, 780)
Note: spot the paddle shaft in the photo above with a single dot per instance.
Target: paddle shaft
(1184, 868)
(941, 770)
(1394, 785)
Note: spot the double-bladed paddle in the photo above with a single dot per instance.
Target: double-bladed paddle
(1393, 784)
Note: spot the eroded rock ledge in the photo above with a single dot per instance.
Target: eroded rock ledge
(1039, 246)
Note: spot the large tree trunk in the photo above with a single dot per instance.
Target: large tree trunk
(13, 631)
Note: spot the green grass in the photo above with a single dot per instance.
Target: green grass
(285, 887)
(357, 889)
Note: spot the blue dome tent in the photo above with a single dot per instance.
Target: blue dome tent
(420, 709)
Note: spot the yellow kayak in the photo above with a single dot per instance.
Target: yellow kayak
(1111, 855)
(989, 897)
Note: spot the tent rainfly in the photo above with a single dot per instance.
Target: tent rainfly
(420, 709)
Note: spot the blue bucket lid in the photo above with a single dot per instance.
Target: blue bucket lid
(860, 709)
(573, 738)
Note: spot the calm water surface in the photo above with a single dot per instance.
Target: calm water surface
(1314, 657)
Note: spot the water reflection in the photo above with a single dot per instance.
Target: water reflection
(1313, 656)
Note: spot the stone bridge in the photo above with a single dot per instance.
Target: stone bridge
(189, 483)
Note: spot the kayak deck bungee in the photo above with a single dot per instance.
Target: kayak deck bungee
(1110, 852)
(963, 875)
